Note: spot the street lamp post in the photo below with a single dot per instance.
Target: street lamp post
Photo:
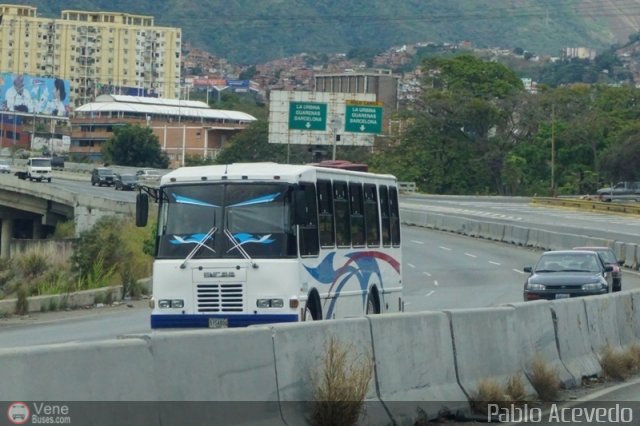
(335, 124)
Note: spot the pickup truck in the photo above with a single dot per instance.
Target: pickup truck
(620, 191)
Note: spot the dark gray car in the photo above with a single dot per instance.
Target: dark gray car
(567, 273)
(103, 176)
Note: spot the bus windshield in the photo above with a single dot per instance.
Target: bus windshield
(223, 220)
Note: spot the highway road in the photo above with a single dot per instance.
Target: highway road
(618, 404)
(520, 211)
(441, 271)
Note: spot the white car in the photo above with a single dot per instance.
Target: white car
(148, 176)
(5, 167)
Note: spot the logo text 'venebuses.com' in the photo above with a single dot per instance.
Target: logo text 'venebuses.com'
(20, 413)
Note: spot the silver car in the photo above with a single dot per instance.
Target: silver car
(148, 176)
(5, 167)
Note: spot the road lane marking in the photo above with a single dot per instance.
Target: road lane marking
(435, 282)
(410, 265)
(427, 274)
(417, 242)
(445, 248)
(430, 293)
(518, 271)
(495, 263)
(470, 255)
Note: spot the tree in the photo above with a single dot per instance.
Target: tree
(252, 144)
(620, 161)
(134, 145)
(460, 130)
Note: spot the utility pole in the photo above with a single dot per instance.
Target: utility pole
(553, 150)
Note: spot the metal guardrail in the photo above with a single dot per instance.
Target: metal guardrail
(585, 204)
(407, 186)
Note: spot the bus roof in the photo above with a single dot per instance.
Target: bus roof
(263, 171)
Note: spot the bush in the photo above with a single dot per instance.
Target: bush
(53, 304)
(341, 386)
(32, 265)
(544, 380)
(22, 303)
(515, 389)
(64, 230)
(489, 392)
(618, 365)
(118, 244)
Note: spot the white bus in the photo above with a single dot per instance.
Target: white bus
(258, 243)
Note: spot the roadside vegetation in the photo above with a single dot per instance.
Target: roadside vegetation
(112, 253)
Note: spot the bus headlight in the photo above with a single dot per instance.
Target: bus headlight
(270, 303)
(167, 303)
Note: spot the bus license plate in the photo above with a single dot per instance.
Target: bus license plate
(562, 296)
(218, 323)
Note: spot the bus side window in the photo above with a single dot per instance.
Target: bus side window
(309, 231)
(395, 216)
(341, 209)
(357, 214)
(371, 222)
(384, 213)
(325, 214)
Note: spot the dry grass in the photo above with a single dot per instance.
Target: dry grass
(544, 379)
(619, 365)
(515, 389)
(489, 392)
(340, 386)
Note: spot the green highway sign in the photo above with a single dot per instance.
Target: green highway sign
(365, 117)
(307, 116)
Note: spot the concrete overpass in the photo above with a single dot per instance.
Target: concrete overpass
(46, 204)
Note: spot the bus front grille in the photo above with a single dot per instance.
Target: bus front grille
(220, 297)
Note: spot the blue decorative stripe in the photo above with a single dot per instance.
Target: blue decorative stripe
(263, 199)
(202, 321)
(180, 199)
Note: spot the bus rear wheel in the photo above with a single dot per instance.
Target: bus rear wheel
(312, 311)
(373, 305)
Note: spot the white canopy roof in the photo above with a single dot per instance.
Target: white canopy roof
(160, 106)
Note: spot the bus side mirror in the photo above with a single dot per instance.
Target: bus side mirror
(299, 208)
(142, 209)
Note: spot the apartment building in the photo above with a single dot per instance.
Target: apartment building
(98, 52)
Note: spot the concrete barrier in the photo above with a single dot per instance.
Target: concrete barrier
(631, 256)
(536, 335)
(415, 366)
(300, 350)
(602, 321)
(517, 235)
(217, 365)
(479, 337)
(625, 318)
(572, 335)
(635, 298)
(113, 370)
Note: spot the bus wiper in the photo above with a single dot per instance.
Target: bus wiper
(237, 245)
(199, 244)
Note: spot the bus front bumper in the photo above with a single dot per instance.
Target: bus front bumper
(203, 321)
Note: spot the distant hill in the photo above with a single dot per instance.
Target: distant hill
(251, 31)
